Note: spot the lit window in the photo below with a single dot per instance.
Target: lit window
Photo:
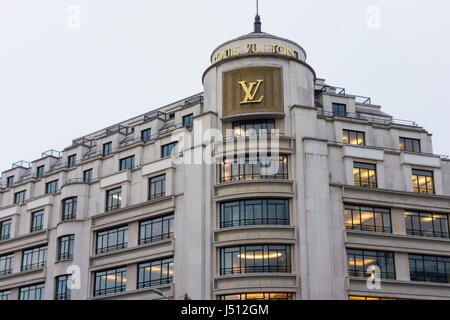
(409, 145)
(110, 281)
(258, 296)
(427, 224)
(254, 168)
(367, 218)
(251, 127)
(360, 260)
(255, 259)
(353, 137)
(155, 273)
(359, 298)
(423, 181)
(365, 175)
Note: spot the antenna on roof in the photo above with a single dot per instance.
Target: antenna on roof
(257, 19)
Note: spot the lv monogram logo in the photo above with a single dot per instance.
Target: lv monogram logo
(249, 92)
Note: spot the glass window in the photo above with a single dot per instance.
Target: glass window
(254, 212)
(112, 239)
(110, 281)
(69, 209)
(9, 182)
(87, 175)
(62, 291)
(254, 168)
(409, 145)
(107, 148)
(5, 295)
(155, 273)
(169, 150)
(360, 260)
(258, 296)
(72, 160)
(19, 197)
(34, 258)
(146, 135)
(157, 187)
(65, 247)
(34, 292)
(255, 259)
(188, 120)
(156, 229)
(339, 110)
(354, 137)
(6, 264)
(429, 268)
(427, 224)
(423, 181)
(113, 199)
(365, 175)
(127, 163)
(37, 221)
(51, 187)
(359, 298)
(5, 229)
(252, 127)
(367, 218)
(40, 171)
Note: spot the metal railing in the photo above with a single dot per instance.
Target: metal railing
(427, 233)
(255, 269)
(430, 277)
(113, 248)
(360, 227)
(341, 91)
(254, 222)
(154, 283)
(372, 119)
(34, 266)
(164, 236)
(363, 274)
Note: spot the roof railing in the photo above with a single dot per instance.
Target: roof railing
(21, 164)
(341, 91)
(51, 153)
(83, 142)
(193, 100)
(369, 118)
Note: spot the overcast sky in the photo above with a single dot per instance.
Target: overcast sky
(128, 57)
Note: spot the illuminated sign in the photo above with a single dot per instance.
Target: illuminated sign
(250, 49)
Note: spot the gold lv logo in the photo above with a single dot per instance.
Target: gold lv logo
(249, 96)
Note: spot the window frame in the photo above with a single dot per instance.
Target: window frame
(337, 109)
(153, 184)
(38, 287)
(6, 264)
(87, 175)
(378, 256)
(418, 173)
(29, 255)
(361, 167)
(110, 206)
(66, 246)
(109, 235)
(188, 120)
(144, 278)
(10, 182)
(127, 163)
(69, 208)
(347, 136)
(426, 261)
(146, 135)
(107, 148)
(413, 143)
(40, 171)
(20, 197)
(51, 187)
(228, 255)
(5, 225)
(165, 224)
(382, 215)
(169, 150)
(61, 283)
(101, 284)
(71, 160)
(37, 221)
(246, 128)
(413, 219)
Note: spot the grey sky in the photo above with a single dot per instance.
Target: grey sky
(131, 56)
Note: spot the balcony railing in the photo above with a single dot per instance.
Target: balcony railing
(255, 269)
(364, 274)
(427, 233)
(34, 266)
(430, 277)
(115, 247)
(372, 119)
